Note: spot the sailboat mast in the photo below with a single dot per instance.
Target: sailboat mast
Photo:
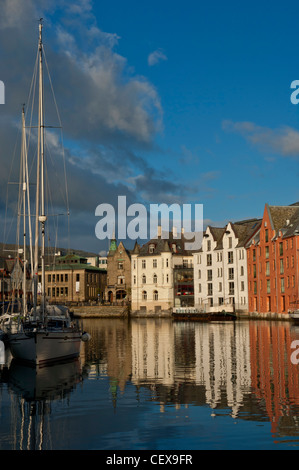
(42, 217)
(40, 201)
(24, 211)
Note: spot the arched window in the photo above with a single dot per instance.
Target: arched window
(144, 295)
(155, 279)
(143, 279)
(156, 295)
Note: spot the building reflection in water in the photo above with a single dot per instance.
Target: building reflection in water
(241, 369)
(275, 378)
(209, 362)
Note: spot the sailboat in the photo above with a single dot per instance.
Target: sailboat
(45, 334)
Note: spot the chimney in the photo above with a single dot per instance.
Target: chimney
(159, 232)
(174, 232)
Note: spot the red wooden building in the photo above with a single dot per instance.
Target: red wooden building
(273, 263)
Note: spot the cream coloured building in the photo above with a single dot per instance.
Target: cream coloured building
(220, 267)
(161, 275)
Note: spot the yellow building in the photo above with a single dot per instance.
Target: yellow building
(72, 279)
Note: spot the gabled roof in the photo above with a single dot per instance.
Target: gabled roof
(279, 215)
(164, 245)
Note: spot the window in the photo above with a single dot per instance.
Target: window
(266, 236)
(66, 277)
(221, 301)
(267, 252)
(280, 249)
(143, 279)
(230, 242)
(210, 289)
(49, 277)
(151, 248)
(220, 287)
(231, 273)
(254, 270)
(242, 271)
(281, 267)
(209, 260)
(120, 265)
(267, 268)
(282, 285)
(254, 255)
(120, 280)
(143, 264)
(242, 286)
(230, 257)
(199, 274)
(144, 295)
(77, 277)
(231, 288)
(210, 275)
(155, 279)
(209, 245)
(156, 295)
(154, 263)
(167, 263)
(167, 278)
(134, 279)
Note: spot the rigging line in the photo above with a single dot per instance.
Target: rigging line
(49, 200)
(62, 143)
(54, 168)
(7, 186)
(32, 94)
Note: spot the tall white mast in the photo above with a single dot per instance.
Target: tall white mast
(24, 188)
(40, 200)
(42, 217)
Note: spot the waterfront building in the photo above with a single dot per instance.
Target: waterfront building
(162, 274)
(273, 262)
(118, 288)
(220, 267)
(72, 279)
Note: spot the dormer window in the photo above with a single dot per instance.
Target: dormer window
(151, 248)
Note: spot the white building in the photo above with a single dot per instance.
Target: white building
(162, 275)
(220, 267)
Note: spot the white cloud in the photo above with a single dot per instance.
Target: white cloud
(156, 57)
(284, 140)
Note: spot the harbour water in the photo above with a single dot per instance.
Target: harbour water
(150, 384)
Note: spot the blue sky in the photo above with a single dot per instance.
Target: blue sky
(164, 102)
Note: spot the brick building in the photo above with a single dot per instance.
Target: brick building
(273, 262)
(118, 288)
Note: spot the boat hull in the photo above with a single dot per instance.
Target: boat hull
(205, 317)
(42, 347)
(295, 317)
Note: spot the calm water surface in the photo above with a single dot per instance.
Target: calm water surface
(158, 385)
